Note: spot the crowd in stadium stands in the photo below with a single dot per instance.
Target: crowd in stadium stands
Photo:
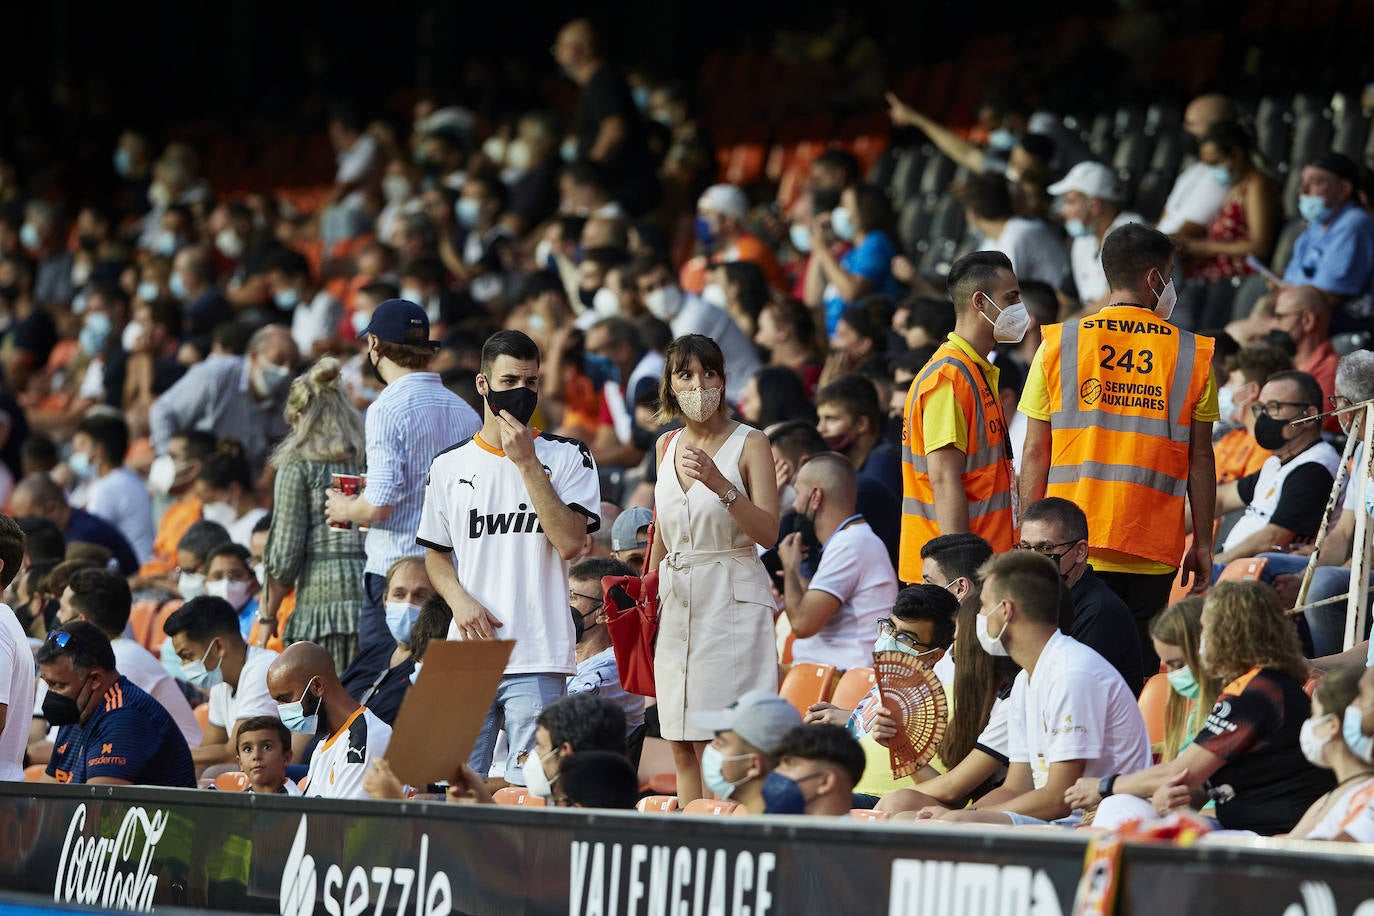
(1069, 451)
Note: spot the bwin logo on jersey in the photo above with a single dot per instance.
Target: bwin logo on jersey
(521, 522)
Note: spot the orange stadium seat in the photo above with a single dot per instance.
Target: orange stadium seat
(1247, 570)
(1152, 699)
(711, 806)
(517, 795)
(657, 804)
(156, 634)
(231, 782)
(869, 814)
(34, 772)
(202, 713)
(808, 683)
(854, 685)
(141, 620)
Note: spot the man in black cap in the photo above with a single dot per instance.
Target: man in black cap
(413, 419)
(1336, 251)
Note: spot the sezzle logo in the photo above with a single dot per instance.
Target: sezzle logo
(433, 894)
(970, 889)
(521, 522)
(89, 873)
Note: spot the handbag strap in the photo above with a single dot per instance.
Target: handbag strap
(653, 522)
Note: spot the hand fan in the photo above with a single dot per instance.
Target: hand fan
(913, 693)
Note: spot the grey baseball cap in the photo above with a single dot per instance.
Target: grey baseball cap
(625, 531)
(759, 717)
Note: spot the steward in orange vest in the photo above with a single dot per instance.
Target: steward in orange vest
(1120, 407)
(956, 460)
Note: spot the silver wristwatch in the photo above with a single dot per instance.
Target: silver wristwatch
(729, 498)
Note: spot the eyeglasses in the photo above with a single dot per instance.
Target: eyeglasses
(1339, 401)
(1274, 407)
(597, 598)
(1047, 550)
(887, 628)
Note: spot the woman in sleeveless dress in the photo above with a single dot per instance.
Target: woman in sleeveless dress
(717, 502)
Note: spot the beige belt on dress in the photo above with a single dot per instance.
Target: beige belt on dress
(681, 559)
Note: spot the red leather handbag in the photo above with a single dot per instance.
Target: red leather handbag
(631, 604)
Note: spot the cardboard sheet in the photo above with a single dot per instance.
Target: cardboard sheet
(443, 711)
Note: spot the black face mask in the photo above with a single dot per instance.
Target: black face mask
(87, 241)
(376, 373)
(805, 525)
(587, 296)
(1269, 432)
(518, 402)
(60, 710)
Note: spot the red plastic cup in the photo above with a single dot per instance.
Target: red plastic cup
(349, 485)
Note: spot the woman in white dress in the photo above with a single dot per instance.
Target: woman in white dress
(717, 502)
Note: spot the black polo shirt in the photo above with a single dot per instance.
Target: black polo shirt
(1103, 623)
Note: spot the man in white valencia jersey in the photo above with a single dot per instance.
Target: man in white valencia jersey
(504, 511)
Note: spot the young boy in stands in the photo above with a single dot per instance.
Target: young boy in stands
(263, 750)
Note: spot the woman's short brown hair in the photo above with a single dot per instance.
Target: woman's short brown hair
(678, 354)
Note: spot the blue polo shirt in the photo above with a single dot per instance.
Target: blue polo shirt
(1337, 257)
(131, 736)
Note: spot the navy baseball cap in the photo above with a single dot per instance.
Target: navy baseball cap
(400, 321)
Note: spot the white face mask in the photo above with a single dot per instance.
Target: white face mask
(235, 592)
(992, 645)
(1167, 299)
(229, 243)
(131, 337)
(714, 293)
(536, 781)
(1313, 745)
(699, 404)
(606, 303)
(665, 302)
(219, 513)
(1011, 323)
(191, 585)
(260, 572)
(162, 476)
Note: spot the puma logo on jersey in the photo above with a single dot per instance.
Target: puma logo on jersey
(469, 481)
(522, 522)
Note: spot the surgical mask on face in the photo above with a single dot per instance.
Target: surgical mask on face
(1011, 324)
(887, 642)
(28, 235)
(191, 585)
(131, 337)
(467, 211)
(165, 243)
(1222, 175)
(221, 513)
(287, 298)
(229, 243)
(95, 333)
(1077, 229)
(396, 188)
(992, 645)
(162, 476)
(543, 256)
(1312, 207)
(1352, 730)
(147, 290)
(842, 222)
(234, 591)
(197, 675)
(81, 465)
(536, 780)
(567, 150)
(400, 617)
(293, 715)
(1183, 683)
(1001, 139)
(413, 294)
(260, 572)
(800, 235)
(1226, 404)
(712, 761)
(1312, 744)
(123, 162)
(606, 303)
(1168, 297)
(699, 404)
(81, 272)
(270, 379)
(715, 294)
(665, 302)
(518, 156)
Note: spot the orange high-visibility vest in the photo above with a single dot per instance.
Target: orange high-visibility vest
(987, 476)
(1123, 386)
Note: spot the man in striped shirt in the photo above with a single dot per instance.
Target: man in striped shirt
(413, 419)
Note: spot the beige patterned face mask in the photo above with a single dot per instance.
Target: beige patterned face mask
(698, 404)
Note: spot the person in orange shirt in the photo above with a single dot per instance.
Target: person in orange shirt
(721, 210)
(174, 474)
(1238, 454)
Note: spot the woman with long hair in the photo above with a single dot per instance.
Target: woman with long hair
(1176, 632)
(1246, 757)
(774, 394)
(323, 564)
(717, 503)
(864, 220)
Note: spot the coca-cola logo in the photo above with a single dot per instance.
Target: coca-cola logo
(112, 873)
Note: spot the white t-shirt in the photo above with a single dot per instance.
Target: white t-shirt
(315, 320)
(1085, 254)
(477, 508)
(855, 569)
(142, 667)
(1196, 198)
(1076, 708)
(17, 676)
(1269, 489)
(342, 759)
(229, 706)
(1035, 248)
(121, 498)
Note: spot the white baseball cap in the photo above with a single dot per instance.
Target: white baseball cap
(1091, 179)
(725, 199)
